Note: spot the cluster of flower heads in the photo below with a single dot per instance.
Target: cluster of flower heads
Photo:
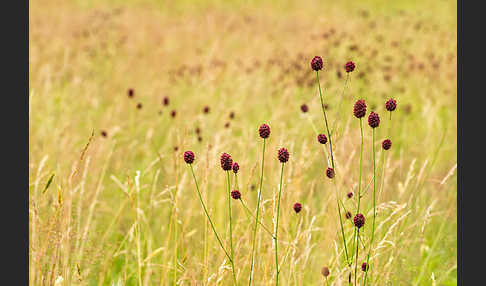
(227, 163)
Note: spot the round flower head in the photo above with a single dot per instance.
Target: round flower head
(297, 207)
(130, 92)
(283, 155)
(325, 271)
(365, 267)
(316, 63)
(386, 144)
(373, 120)
(330, 173)
(226, 161)
(348, 215)
(359, 109)
(139, 105)
(359, 220)
(350, 195)
(206, 109)
(173, 113)
(304, 108)
(232, 115)
(235, 167)
(391, 104)
(165, 101)
(235, 194)
(350, 66)
(322, 138)
(103, 133)
(264, 131)
(188, 156)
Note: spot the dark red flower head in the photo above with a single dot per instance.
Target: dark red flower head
(297, 207)
(365, 267)
(391, 104)
(264, 131)
(131, 92)
(350, 66)
(235, 194)
(348, 215)
(359, 220)
(232, 115)
(350, 195)
(173, 113)
(226, 161)
(235, 167)
(139, 105)
(304, 108)
(316, 63)
(325, 271)
(322, 138)
(283, 155)
(373, 120)
(103, 133)
(386, 144)
(330, 173)
(188, 156)
(165, 101)
(206, 109)
(359, 109)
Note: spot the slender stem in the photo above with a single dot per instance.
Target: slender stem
(249, 212)
(374, 210)
(332, 163)
(276, 224)
(356, 262)
(342, 226)
(257, 215)
(340, 103)
(207, 215)
(231, 229)
(325, 119)
(360, 173)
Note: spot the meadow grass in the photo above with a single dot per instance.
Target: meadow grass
(122, 209)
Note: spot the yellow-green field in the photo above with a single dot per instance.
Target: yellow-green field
(122, 209)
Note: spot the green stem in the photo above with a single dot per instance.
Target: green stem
(276, 224)
(257, 215)
(332, 163)
(249, 212)
(360, 174)
(374, 210)
(231, 228)
(356, 262)
(325, 119)
(207, 215)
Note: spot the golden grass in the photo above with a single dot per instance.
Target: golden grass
(122, 210)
